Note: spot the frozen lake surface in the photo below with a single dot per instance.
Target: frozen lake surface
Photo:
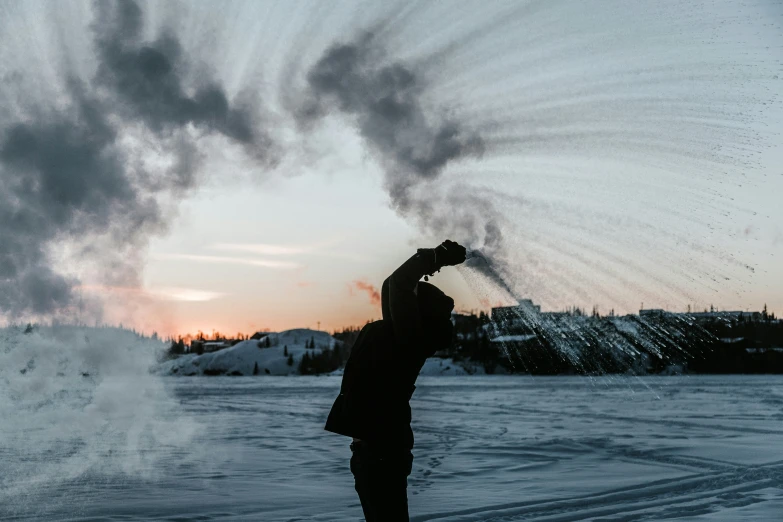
(494, 448)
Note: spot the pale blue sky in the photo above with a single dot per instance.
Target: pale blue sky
(634, 155)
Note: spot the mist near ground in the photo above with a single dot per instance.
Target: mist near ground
(80, 404)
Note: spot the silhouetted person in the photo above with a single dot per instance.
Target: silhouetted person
(373, 405)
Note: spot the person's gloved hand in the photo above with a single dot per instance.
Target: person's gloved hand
(449, 253)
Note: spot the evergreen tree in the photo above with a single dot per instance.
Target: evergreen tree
(312, 339)
(336, 357)
(172, 351)
(266, 342)
(304, 364)
(255, 369)
(290, 360)
(285, 350)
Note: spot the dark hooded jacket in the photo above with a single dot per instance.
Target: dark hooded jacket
(381, 372)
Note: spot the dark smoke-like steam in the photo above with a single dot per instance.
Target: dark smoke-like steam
(148, 80)
(62, 175)
(66, 176)
(384, 99)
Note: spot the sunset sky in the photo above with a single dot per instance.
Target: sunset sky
(598, 154)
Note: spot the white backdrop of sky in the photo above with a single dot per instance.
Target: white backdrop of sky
(622, 155)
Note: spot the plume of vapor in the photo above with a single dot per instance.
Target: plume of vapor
(147, 80)
(62, 175)
(70, 172)
(384, 99)
(630, 106)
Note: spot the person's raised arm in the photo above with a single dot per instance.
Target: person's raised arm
(385, 310)
(398, 293)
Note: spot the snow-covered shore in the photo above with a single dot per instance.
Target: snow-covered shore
(272, 357)
(268, 356)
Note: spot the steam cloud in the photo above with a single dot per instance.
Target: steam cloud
(74, 176)
(628, 108)
(71, 174)
(148, 80)
(67, 175)
(384, 99)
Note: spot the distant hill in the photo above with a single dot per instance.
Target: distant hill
(272, 354)
(275, 354)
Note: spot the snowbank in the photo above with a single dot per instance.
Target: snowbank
(435, 366)
(441, 366)
(513, 338)
(247, 358)
(243, 358)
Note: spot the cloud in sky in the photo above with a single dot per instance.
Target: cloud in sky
(165, 293)
(169, 293)
(263, 249)
(363, 286)
(250, 261)
(321, 249)
(102, 160)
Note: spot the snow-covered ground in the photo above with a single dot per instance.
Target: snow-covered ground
(251, 356)
(488, 448)
(441, 366)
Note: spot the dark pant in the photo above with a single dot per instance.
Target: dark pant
(381, 481)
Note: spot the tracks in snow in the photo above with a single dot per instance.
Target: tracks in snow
(607, 416)
(672, 498)
(711, 485)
